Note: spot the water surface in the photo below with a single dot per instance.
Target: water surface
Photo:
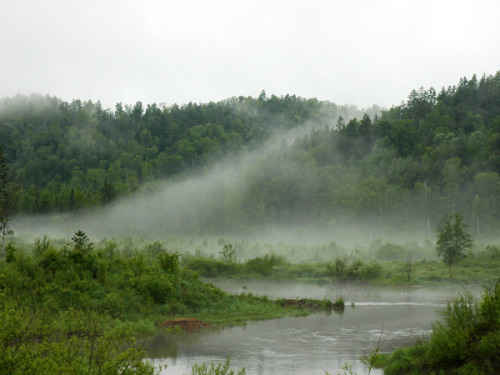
(314, 344)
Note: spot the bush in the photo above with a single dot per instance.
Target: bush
(10, 252)
(169, 262)
(370, 271)
(262, 265)
(41, 245)
(339, 303)
(466, 341)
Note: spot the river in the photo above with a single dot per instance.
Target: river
(314, 344)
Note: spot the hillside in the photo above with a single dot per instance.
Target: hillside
(401, 169)
(66, 156)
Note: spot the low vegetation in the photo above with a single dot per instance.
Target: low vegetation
(80, 305)
(382, 264)
(77, 308)
(465, 341)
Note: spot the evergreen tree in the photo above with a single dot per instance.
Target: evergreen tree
(107, 192)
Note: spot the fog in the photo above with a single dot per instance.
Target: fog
(213, 203)
(202, 203)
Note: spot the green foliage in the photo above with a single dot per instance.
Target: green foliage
(227, 253)
(169, 262)
(398, 170)
(466, 341)
(481, 267)
(339, 303)
(336, 270)
(107, 192)
(210, 267)
(125, 288)
(32, 344)
(10, 252)
(66, 156)
(81, 243)
(453, 240)
(41, 245)
(263, 265)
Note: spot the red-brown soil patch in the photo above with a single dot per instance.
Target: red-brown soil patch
(186, 324)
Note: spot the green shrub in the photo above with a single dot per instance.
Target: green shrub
(40, 245)
(399, 362)
(466, 341)
(159, 287)
(227, 253)
(370, 271)
(10, 252)
(169, 262)
(339, 303)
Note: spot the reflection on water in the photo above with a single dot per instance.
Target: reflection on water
(312, 344)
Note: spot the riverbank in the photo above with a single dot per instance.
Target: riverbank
(61, 304)
(64, 301)
(465, 341)
(313, 343)
(477, 269)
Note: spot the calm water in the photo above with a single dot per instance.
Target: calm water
(313, 344)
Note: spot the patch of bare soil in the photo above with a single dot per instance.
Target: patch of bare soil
(303, 303)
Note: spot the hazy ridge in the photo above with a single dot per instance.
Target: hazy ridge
(247, 166)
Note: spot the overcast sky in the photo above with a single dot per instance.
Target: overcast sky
(359, 52)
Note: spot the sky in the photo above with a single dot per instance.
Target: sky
(359, 52)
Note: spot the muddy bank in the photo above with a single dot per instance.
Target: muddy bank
(186, 324)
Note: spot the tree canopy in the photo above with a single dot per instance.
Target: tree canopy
(403, 167)
(453, 240)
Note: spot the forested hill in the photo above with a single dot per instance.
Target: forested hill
(437, 153)
(64, 156)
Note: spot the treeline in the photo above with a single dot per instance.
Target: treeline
(437, 153)
(402, 169)
(65, 156)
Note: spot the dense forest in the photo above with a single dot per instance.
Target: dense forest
(405, 167)
(66, 156)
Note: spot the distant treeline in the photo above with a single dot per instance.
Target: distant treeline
(433, 155)
(65, 156)
(436, 153)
